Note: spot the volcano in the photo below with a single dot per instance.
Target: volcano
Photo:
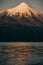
(21, 23)
(23, 14)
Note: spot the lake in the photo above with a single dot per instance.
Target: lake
(21, 53)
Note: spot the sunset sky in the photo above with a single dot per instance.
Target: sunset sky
(38, 4)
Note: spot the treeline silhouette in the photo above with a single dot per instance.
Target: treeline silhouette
(11, 32)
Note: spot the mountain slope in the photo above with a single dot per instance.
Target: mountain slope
(23, 8)
(21, 23)
(23, 14)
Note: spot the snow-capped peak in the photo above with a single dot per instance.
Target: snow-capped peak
(22, 8)
(23, 13)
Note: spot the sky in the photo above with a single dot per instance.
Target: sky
(37, 4)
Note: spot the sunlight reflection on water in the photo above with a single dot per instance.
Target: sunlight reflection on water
(21, 55)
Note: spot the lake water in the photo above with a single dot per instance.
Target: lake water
(21, 53)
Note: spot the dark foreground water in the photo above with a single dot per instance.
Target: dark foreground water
(21, 54)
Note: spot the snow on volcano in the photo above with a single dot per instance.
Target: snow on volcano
(24, 10)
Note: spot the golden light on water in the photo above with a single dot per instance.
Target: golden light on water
(22, 43)
(20, 53)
